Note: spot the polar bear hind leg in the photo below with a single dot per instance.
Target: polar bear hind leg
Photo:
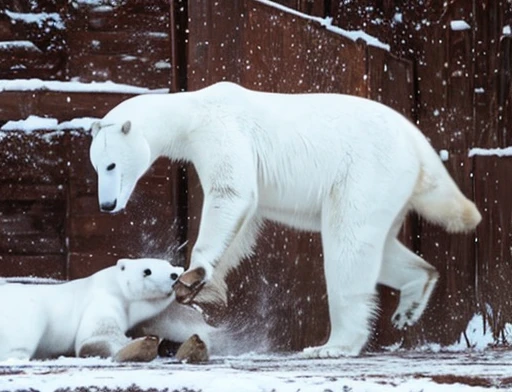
(354, 230)
(100, 333)
(104, 340)
(21, 338)
(403, 270)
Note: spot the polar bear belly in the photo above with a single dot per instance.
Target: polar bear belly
(291, 208)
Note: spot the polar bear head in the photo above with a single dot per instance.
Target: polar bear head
(147, 279)
(120, 154)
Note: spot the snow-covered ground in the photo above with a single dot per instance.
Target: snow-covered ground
(379, 372)
(427, 369)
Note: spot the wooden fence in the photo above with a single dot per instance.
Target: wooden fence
(454, 83)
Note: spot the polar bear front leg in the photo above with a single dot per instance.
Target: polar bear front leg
(225, 213)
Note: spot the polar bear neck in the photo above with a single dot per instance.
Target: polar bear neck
(165, 121)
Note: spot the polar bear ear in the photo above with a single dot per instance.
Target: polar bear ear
(126, 127)
(95, 128)
(121, 264)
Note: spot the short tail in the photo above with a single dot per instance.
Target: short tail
(438, 199)
(436, 196)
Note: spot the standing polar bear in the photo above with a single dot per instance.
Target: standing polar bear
(344, 166)
(88, 316)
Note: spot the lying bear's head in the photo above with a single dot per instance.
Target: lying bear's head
(147, 279)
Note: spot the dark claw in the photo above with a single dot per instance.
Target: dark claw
(189, 285)
(186, 294)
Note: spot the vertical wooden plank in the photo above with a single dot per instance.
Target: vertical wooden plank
(494, 251)
(286, 53)
(431, 87)
(453, 302)
(214, 44)
(505, 92)
(391, 82)
(487, 32)
(178, 22)
(314, 7)
(460, 82)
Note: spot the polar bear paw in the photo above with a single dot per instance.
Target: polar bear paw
(404, 317)
(143, 349)
(189, 284)
(328, 351)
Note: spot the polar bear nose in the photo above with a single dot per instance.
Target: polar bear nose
(109, 206)
(174, 276)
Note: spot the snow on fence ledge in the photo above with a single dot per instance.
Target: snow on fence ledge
(74, 86)
(64, 101)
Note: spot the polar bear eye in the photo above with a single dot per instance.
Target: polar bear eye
(147, 272)
(174, 276)
(111, 167)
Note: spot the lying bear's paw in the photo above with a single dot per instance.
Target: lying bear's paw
(143, 349)
(193, 350)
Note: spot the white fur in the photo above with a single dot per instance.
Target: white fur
(48, 320)
(346, 166)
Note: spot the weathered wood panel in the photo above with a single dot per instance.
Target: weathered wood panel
(49, 210)
(494, 241)
(18, 105)
(216, 60)
(41, 266)
(126, 43)
(318, 8)
(34, 40)
(21, 153)
(286, 53)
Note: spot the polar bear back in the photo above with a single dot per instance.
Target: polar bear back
(46, 316)
(288, 138)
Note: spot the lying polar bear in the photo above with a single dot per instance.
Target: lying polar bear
(90, 316)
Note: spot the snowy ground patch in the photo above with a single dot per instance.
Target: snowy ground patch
(380, 372)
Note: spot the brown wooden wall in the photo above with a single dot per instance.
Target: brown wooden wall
(454, 84)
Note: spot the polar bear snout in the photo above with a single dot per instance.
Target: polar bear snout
(108, 206)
